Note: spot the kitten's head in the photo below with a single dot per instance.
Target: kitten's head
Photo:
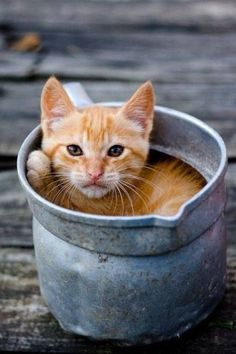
(96, 149)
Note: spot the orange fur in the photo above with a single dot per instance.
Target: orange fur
(126, 184)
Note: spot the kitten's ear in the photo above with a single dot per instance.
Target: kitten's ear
(55, 104)
(140, 107)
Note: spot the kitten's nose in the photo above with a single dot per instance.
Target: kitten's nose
(95, 175)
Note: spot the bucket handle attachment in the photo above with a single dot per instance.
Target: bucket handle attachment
(77, 94)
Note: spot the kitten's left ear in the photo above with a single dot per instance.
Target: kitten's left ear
(140, 107)
(55, 104)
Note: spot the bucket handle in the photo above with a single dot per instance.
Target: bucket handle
(77, 94)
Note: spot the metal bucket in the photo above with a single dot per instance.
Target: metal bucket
(136, 280)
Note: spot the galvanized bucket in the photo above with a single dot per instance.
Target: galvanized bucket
(136, 280)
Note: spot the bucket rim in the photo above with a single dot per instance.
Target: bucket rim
(127, 221)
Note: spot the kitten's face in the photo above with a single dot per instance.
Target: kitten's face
(98, 149)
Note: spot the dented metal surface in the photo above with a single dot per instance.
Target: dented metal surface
(136, 280)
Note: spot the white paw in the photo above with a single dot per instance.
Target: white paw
(38, 167)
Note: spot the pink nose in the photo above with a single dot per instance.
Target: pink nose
(95, 175)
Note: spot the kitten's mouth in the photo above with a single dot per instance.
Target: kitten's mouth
(94, 190)
(94, 184)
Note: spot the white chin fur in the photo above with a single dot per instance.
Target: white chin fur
(94, 191)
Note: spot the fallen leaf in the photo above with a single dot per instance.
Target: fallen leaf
(28, 43)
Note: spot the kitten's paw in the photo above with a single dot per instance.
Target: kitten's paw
(38, 168)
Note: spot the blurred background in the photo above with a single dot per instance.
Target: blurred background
(186, 47)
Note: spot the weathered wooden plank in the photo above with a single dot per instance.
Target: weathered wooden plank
(190, 15)
(15, 217)
(27, 325)
(162, 57)
(192, 70)
(215, 104)
(2, 41)
(13, 65)
(124, 55)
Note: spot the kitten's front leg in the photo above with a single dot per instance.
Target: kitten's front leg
(39, 172)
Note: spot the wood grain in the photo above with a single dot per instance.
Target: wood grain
(14, 65)
(168, 57)
(163, 57)
(198, 15)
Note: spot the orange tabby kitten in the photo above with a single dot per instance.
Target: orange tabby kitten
(94, 159)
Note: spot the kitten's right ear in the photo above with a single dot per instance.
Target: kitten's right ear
(140, 108)
(55, 104)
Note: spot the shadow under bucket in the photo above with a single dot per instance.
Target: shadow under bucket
(136, 280)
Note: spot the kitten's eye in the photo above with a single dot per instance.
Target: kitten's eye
(74, 150)
(115, 151)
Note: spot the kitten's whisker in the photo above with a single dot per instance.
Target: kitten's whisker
(132, 189)
(60, 191)
(61, 186)
(138, 178)
(47, 187)
(113, 192)
(158, 172)
(70, 192)
(139, 189)
(64, 192)
(128, 196)
(116, 200)
(147, 167)
(121, 197)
